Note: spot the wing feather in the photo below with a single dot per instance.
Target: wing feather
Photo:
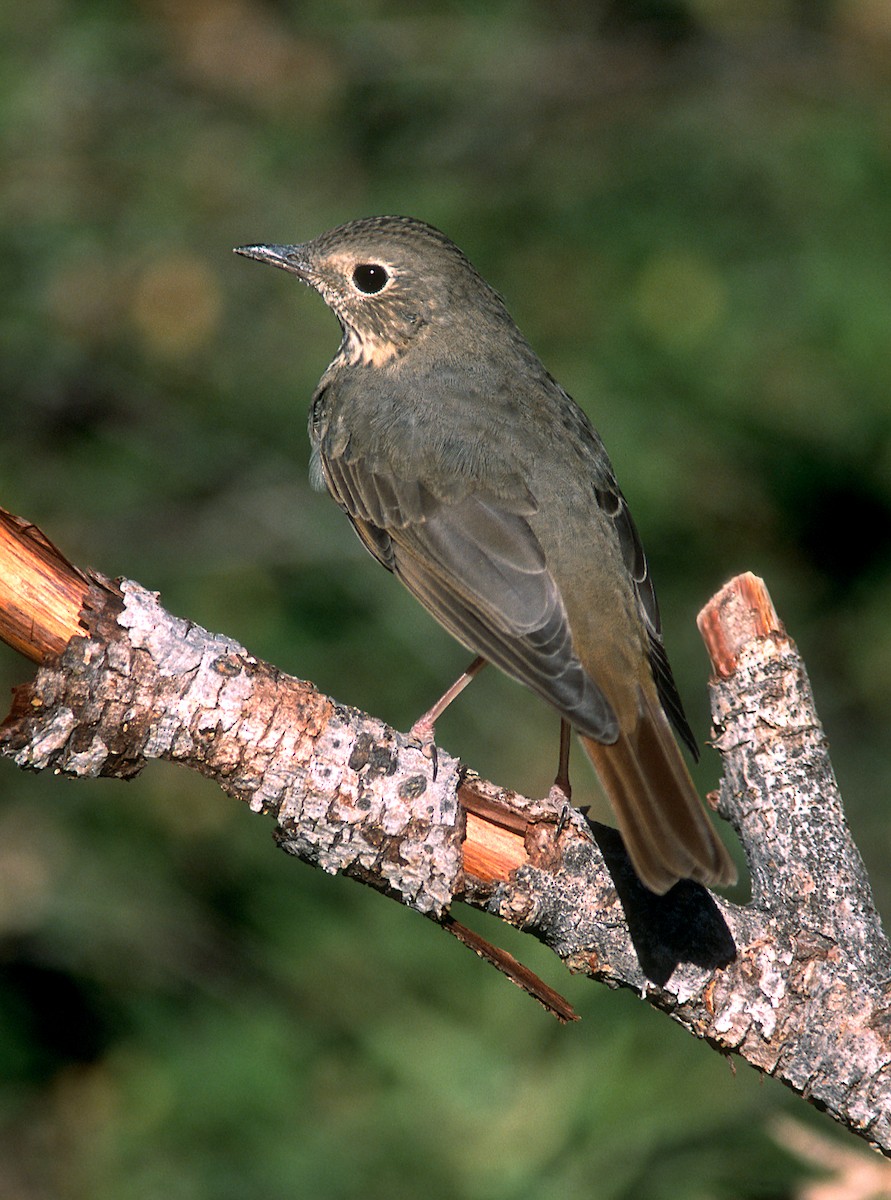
(614, 505)
(478, 567)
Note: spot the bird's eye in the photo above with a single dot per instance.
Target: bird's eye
(370, 278)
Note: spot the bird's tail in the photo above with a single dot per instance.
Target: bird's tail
(666, 830)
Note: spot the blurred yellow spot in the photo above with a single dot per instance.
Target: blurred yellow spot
(727, 17)
(679, 298)
(247, 49)
(176, 306)
(85, 1101)
(870, 18)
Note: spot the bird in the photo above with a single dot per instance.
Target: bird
(471, 475)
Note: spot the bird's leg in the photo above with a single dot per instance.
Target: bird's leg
(423, 728)
(561, 790)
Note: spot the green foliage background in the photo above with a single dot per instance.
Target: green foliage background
(688, 208)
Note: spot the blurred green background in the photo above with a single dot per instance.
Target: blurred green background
(687, 206)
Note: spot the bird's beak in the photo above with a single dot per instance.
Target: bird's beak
(289, 258)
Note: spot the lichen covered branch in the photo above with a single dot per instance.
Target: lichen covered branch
(795, 981)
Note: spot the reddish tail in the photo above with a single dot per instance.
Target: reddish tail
(665, 828)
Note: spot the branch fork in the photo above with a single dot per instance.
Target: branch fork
(796, 981)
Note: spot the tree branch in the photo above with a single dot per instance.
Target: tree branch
(795, 982)
(41, 593)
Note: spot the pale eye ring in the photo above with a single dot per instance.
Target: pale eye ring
(370, 278)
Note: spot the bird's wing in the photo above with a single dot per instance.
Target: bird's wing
(614, 505)
(477, 566)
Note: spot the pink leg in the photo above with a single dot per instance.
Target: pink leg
(422, 730)
(561, 789)
(561, 792)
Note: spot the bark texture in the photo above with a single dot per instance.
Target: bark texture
(796, 981)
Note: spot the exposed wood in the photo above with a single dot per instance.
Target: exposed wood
(494, 837)
(41, 593)
(795, 981)
(741, 612)
(491, 852)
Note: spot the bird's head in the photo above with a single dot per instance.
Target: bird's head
(389, 280)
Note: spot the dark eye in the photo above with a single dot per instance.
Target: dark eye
(370, 278)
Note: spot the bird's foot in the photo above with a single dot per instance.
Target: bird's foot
(561, 789)
(560, 794)
(421, 736)
(421, 733)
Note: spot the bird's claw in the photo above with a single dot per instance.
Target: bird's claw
(421, 737)
(558, 794)
(429, 751)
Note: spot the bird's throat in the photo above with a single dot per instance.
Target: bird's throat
(363, 348)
